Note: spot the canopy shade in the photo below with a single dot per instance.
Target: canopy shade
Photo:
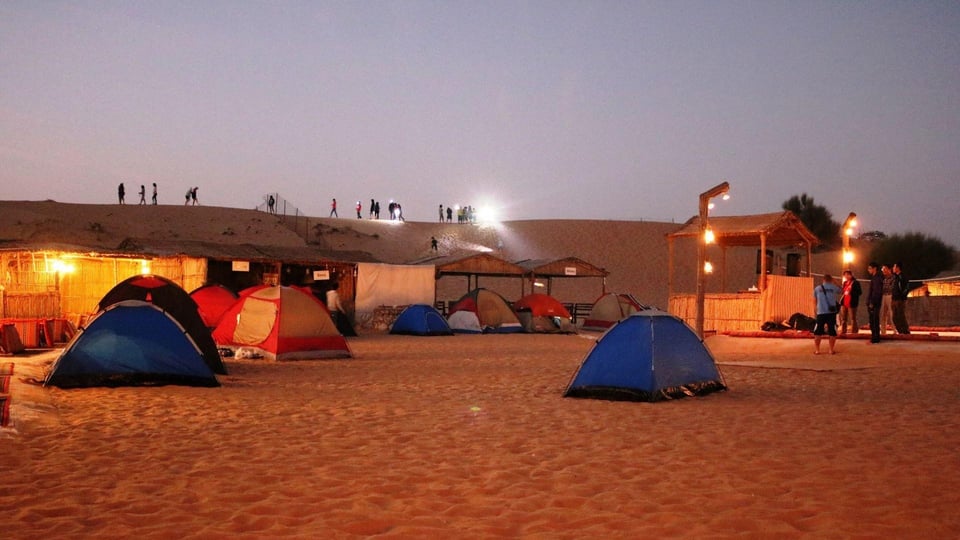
(566, 267)
(780, 229)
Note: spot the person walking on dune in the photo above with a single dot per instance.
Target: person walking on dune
(333, 209)
(154, 194)
(121, 192)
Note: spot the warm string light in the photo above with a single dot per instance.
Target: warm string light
(848, 226)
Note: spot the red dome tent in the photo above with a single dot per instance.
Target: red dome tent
(281, 323)
(543, 313)
(212, 302)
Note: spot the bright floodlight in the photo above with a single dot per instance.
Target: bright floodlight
(486, 214)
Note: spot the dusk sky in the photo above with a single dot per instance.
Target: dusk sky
(587, 109)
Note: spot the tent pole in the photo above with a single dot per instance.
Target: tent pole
(763, 261)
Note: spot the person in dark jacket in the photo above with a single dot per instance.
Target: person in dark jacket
(901, 287)
(874, 300)
(850, 299)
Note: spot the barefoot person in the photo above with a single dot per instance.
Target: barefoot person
(826, 296)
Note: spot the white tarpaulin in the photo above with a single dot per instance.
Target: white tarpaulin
(394, 285)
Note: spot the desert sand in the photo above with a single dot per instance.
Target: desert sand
(470, 437)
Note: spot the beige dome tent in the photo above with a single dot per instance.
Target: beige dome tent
(610, 308)
(482, 310)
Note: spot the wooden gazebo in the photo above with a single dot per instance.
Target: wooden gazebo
(567, 267)
(781, 229)
(476, 265)
(778, 297)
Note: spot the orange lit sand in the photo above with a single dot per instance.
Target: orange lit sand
(469, 437)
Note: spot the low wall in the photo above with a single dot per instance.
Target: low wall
(29, 304)
(933, 311)
(721, 312)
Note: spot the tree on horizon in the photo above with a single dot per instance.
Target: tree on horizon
(816, 218)
(922, 256)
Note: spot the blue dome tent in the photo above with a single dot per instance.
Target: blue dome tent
(131, 343)
(648, 356)
(168, 296)
(421, 320)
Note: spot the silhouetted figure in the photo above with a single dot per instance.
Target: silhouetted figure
(901, 288)
(121, 192)
(143, 195)
(154, 199)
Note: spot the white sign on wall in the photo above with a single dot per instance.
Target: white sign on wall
(570, 270)
(241, 266)
(321, 275)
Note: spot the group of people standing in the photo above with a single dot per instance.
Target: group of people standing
(394, 208)
(886, 304)
(465, 214)
(122, 192)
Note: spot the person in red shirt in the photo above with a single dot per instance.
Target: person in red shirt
(851, 291)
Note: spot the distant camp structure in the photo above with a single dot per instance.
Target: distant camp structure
(131, 343)
(648, 356)
(483, 311)
(421, 320)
